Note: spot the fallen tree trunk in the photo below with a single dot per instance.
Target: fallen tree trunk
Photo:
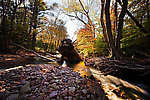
(33, 52)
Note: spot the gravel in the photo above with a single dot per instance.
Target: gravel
(46, 82)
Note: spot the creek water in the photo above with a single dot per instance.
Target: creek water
(115, 88)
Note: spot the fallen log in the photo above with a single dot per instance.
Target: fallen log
(33, 52)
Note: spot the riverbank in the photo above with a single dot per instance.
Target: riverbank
(43, 81)
(16, 59)
(47, 81)
(134, 71)
(29, 74)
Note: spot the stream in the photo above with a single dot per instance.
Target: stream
(115, 88)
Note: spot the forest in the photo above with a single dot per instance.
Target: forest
(109, 49)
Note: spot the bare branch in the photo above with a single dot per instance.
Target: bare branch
(82, 6)
(76, 18)
(135, 20)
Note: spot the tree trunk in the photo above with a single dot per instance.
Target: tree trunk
(109, 32)
(147, 5)
(35, 12)
(103, 25)
(28, 34)
(120, 24)
(136, 22)
(25, 25)
(4, 32)
(114, 51)
(116, 17)
(2, 28)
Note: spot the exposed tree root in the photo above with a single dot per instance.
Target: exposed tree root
(128, 70)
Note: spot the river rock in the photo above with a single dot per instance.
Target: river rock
(69, 97)
(84, 91)
(53, 94)
(44, 90)
(71, 90)
(12, 97)
(42, 95)
(39, 98)
(43, 82)
(47, 98)
(12, 74)
(26, 88)
(32, 98)
(77, 80)
(23, 97)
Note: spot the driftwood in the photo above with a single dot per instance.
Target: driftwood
(34, 52)
(54, 56)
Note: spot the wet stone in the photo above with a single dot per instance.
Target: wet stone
(12, 74)
(47, 98)
(53, 94)
(43, 82)
(23, 97)
(39, 98)
(26, 88)
(32, 98)
(84, 91)
(13, 97)
(44, 90)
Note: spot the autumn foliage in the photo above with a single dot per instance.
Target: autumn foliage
(85, 41)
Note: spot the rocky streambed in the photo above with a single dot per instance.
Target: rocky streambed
(47, 82)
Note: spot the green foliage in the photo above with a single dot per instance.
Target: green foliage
(100, 46)
(41, 46)
(135, 43)
(22, 24)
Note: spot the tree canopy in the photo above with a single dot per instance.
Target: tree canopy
(23, 21)
(119, 26)
(123, 24)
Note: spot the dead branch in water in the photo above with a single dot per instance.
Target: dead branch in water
(33, 52)
(54, 56)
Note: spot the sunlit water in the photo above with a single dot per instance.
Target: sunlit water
(115, 88)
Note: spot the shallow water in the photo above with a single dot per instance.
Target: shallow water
(114, 87)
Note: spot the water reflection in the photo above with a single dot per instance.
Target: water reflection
(116, 88)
